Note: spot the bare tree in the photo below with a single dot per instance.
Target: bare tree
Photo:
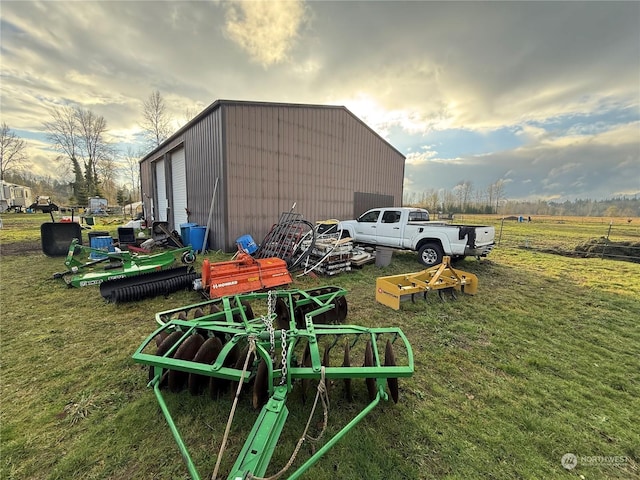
(156, 123)
(189, 114)
(131, 171)
(79, 136)
(107, 171)
(495, 193)
(93, 145)
(431, 199)
(12, 151)
(448, 201)
(467, 190)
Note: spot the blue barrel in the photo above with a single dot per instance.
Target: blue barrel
(198, 242)
(102, 243)
(247, 244)
(185, 231)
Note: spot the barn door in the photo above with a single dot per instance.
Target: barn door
(179, 187)
(161, 184)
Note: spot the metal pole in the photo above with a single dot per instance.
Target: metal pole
(213, 199)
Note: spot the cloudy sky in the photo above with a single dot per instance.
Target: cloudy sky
(543, 95)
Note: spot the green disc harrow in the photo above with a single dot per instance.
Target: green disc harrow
(286, 343)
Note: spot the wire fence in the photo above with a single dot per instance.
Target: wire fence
(573, 237)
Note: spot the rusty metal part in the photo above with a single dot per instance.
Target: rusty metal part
(186, 351)
(346, 362)
(368, 362)
(207, 353)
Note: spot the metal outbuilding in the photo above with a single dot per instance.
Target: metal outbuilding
(265, 157)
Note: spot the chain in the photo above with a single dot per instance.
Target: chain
(268, 323)
(270, 303)
(284, 357)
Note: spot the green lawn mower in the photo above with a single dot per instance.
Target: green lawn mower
(126, 276)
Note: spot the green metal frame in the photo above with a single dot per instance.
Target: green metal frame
(260, 444)
(82, 273)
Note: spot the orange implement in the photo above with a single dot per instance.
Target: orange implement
(243, 274)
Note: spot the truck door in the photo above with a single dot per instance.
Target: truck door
(389, 229)
(367, 225)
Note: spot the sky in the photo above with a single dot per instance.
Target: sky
(544, 96)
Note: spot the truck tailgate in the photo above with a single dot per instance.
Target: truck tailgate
(485, 236)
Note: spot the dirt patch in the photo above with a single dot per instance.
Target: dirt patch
(599, 248)
(21, 248)
(602, 247)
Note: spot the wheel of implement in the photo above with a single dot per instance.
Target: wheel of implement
(325, 356)
(182, 316)
(261, 385)
(198, 312)
(346, 362)
(240, 365)
(160, 337)
(390, 361)
(299, 314)
(219, 385)
(186, 351)
(248, 311)
(164, 347)
(341, 307)
(368, 362)
(282, 315)
(213, 308)
(207, 354)
(188, 258)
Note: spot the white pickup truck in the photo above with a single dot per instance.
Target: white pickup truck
(410, 229)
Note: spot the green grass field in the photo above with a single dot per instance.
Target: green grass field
(543, 361)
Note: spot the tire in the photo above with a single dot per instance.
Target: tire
(430, 254)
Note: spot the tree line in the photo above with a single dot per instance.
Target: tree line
(463, 198)
(88, 159)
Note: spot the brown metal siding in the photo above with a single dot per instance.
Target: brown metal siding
(204, 163)
(316, 157)
(268, 156)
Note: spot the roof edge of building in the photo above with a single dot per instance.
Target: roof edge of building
(218, 103)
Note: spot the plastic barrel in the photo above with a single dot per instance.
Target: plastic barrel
(185, 231)
(102, 243)
(196, 235)
(247, 244)
(383, 256)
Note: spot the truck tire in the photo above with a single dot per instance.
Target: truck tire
(430, 254)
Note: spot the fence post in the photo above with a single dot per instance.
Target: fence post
(604, 247)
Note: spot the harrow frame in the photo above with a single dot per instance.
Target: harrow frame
(231, 320)
(391, 290)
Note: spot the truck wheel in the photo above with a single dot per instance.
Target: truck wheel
(430, 254)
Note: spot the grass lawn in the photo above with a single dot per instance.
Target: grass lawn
(543, 361)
